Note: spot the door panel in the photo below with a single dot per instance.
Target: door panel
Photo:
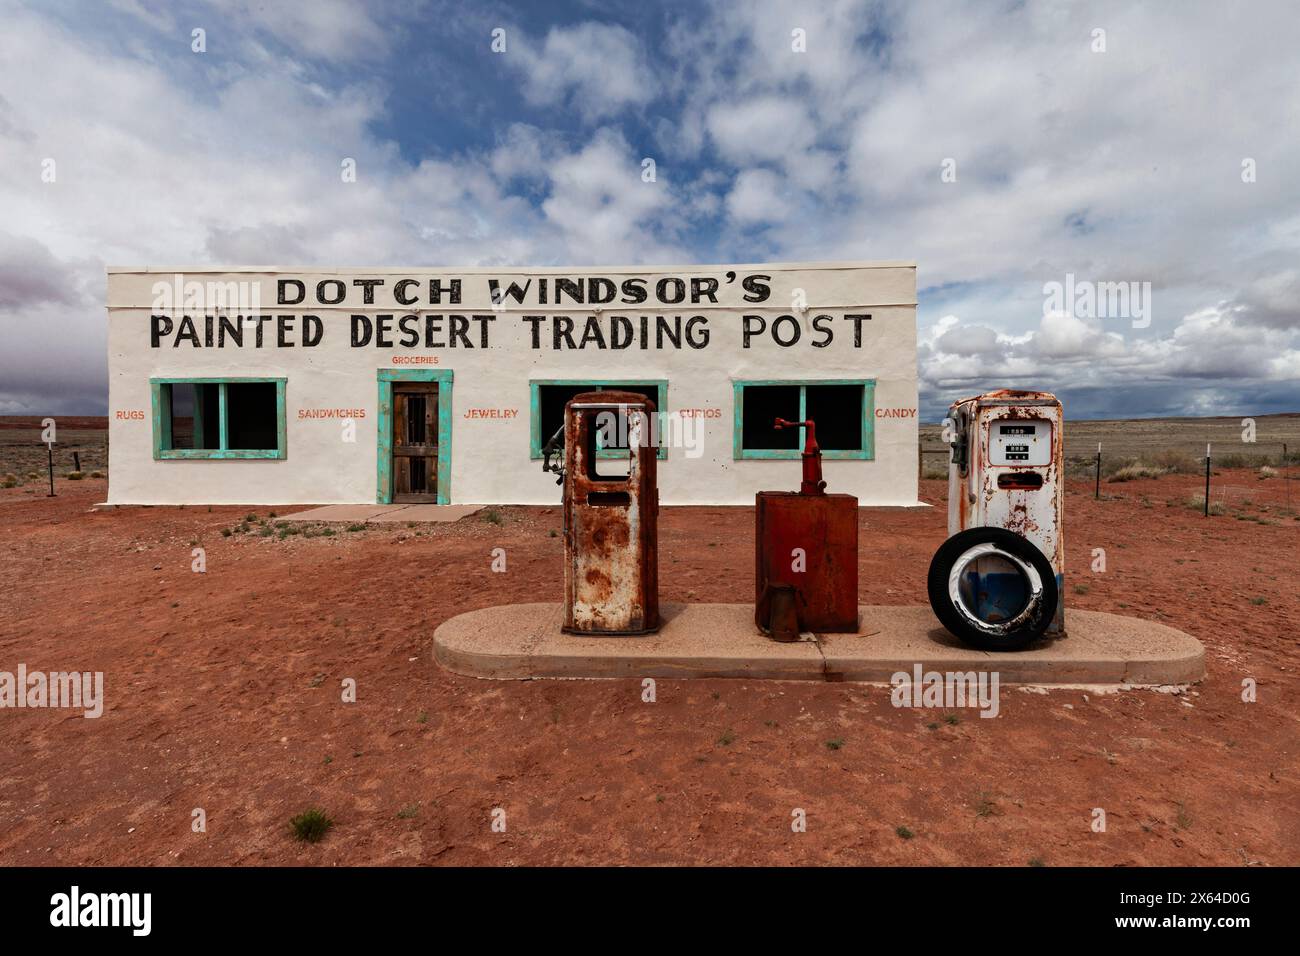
(415, 442)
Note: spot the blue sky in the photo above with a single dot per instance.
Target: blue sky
(1100, 141)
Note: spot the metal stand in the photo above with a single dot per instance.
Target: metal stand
(1096, 494)
(1207, 482)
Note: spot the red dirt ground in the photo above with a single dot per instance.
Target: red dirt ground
(223, 692)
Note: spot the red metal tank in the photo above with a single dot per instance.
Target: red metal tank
(806, 553)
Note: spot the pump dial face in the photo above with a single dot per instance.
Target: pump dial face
(1026, 441)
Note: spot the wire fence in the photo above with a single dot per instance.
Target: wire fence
(1271, 460)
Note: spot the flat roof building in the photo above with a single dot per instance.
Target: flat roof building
(270, 385)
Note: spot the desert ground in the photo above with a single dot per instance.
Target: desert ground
(223, 693)
(25, 460)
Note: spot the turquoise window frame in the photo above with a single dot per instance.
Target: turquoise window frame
(161, 397)
(384, 469)
(535, 437)
(867, 452)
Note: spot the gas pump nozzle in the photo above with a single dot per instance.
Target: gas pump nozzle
(554, 448)
(812, 483)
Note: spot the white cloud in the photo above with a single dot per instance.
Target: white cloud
(968, 340)
(333, 29)
(597, 69)
(764, 128)
(156, 15)
(525, 152)
(1066, 336)
(31, 275)
(1209, 349)
(598, 200)
(756, 197)
(1272, 299)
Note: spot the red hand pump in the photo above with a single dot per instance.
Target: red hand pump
(812, 457)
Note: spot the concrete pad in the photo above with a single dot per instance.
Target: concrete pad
(1150, 650)
(340, 513)
(435, 513)
(399, 512)
(522, 641)
(517, 641)
(1097, 648)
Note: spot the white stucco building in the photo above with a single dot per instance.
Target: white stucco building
(269, 385)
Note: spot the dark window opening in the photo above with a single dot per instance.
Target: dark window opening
(196, 415)
(841, 411)
(183, 402)
(763, 404)
(551, 400)
(251, 415)
(837, 412)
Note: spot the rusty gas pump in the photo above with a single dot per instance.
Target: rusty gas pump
(806, 549)
(997, 583)
(611, 507)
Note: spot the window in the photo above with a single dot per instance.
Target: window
(549, 396)
(843, 410)
(218, 418)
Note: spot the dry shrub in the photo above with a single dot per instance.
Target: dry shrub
(1197, 503)
(1175, 462)
(1135, 471)
(1237, 460)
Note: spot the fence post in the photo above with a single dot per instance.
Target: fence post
(50, 449)
(1207, 480)
(1096, 494)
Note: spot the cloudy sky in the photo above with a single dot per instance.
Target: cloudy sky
(1002, 146)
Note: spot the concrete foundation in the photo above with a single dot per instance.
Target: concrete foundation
(522, 641)
(362, 514)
